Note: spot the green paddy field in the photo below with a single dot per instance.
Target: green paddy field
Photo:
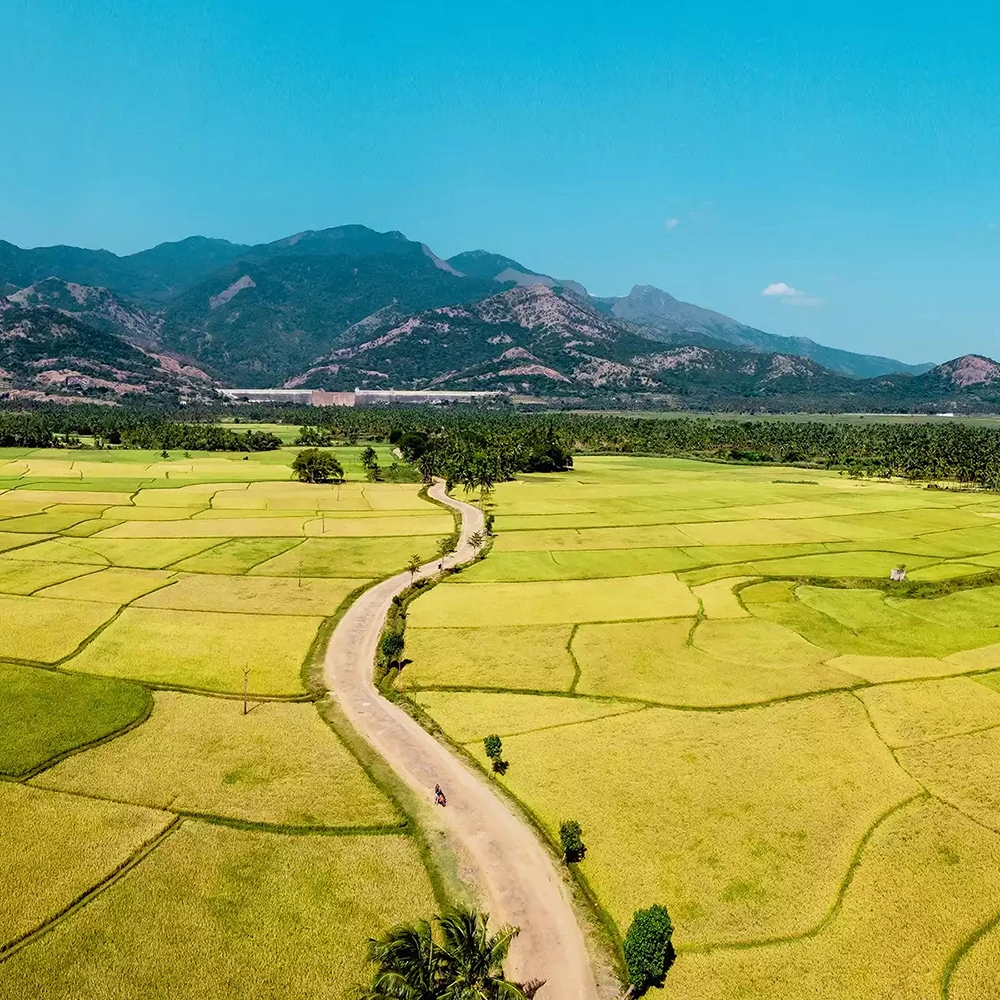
(708, 668)
(154, 840)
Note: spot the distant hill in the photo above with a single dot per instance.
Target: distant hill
(260, 315)
(539, 342)
(48, 353)
(673, 321)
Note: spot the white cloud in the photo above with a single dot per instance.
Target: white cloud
(780, 288)
(790, 296)
(672, 223)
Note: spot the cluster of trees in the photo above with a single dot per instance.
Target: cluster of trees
(477, 447)
(124, 428)
(455, 957)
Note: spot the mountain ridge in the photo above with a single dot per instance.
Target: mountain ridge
(257, 315)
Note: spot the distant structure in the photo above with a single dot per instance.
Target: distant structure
(898, 575)
(360, 397)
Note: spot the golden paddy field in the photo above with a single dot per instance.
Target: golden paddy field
(154, 840)
(708, 668)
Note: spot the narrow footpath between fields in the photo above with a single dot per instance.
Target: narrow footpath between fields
(509, 865)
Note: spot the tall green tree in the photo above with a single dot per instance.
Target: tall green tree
(463, 961)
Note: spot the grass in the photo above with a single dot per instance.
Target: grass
(719, 601)
(725, 837)
(963, 771)
(149, 553)
(27, 577)
(976, 968)
(221, 912)
(789, 674)
(552, 603)
(44, 630)
(468, 717)
(663, 666)
(236, 556)
(202, 650)
(253, 595)
(918, 712)
(56, 847)
(44, 714)
(280, 764)
(926, 881)
(514, 656)
(362, 558)
(113, 586)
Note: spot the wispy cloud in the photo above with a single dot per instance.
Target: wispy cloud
(790, 296)
(672, 223)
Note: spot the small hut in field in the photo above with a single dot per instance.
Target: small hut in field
(898, 574)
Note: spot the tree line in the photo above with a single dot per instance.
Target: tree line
(480, 446)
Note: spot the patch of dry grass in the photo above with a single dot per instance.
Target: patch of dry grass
(279, 764)
(201, 649)
(55, 847)
(216, 912)
(927, 879)
(514, 656)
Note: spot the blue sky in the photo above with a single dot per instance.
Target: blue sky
(847, 154)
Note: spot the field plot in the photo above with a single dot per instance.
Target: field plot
(554, 602)
(252, 595)
(44, 714)
(786, 753)
(926, 881)
(204, 650)
(218, 912)
(56, 847)
(280, 764)
(133, 574)
(364, 558)
(482, 657)
(44, 631)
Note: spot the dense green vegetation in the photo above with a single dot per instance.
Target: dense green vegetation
(480, 445)
(66, 712)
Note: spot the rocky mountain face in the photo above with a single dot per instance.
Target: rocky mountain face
(673, 321)
(48, 353)
(540, 341)
(551, 343)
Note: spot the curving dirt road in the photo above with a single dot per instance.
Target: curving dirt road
(509, 865)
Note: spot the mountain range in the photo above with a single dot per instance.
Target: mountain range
(347, 307)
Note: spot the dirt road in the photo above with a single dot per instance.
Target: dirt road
(509, 864)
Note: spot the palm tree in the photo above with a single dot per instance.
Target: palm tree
(477, 540)
(476, 957)
(467, 965)
(409, 965)
(413, 565)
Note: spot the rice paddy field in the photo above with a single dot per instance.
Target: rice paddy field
(708, 667)
(155, 841)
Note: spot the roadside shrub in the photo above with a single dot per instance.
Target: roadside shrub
(493, 746)
(570, 835)
(649, 952)
(392, 646)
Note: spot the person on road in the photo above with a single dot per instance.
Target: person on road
(439, 798)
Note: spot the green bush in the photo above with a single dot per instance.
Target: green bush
(392, 645)
(649, 952)
(570, 835)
